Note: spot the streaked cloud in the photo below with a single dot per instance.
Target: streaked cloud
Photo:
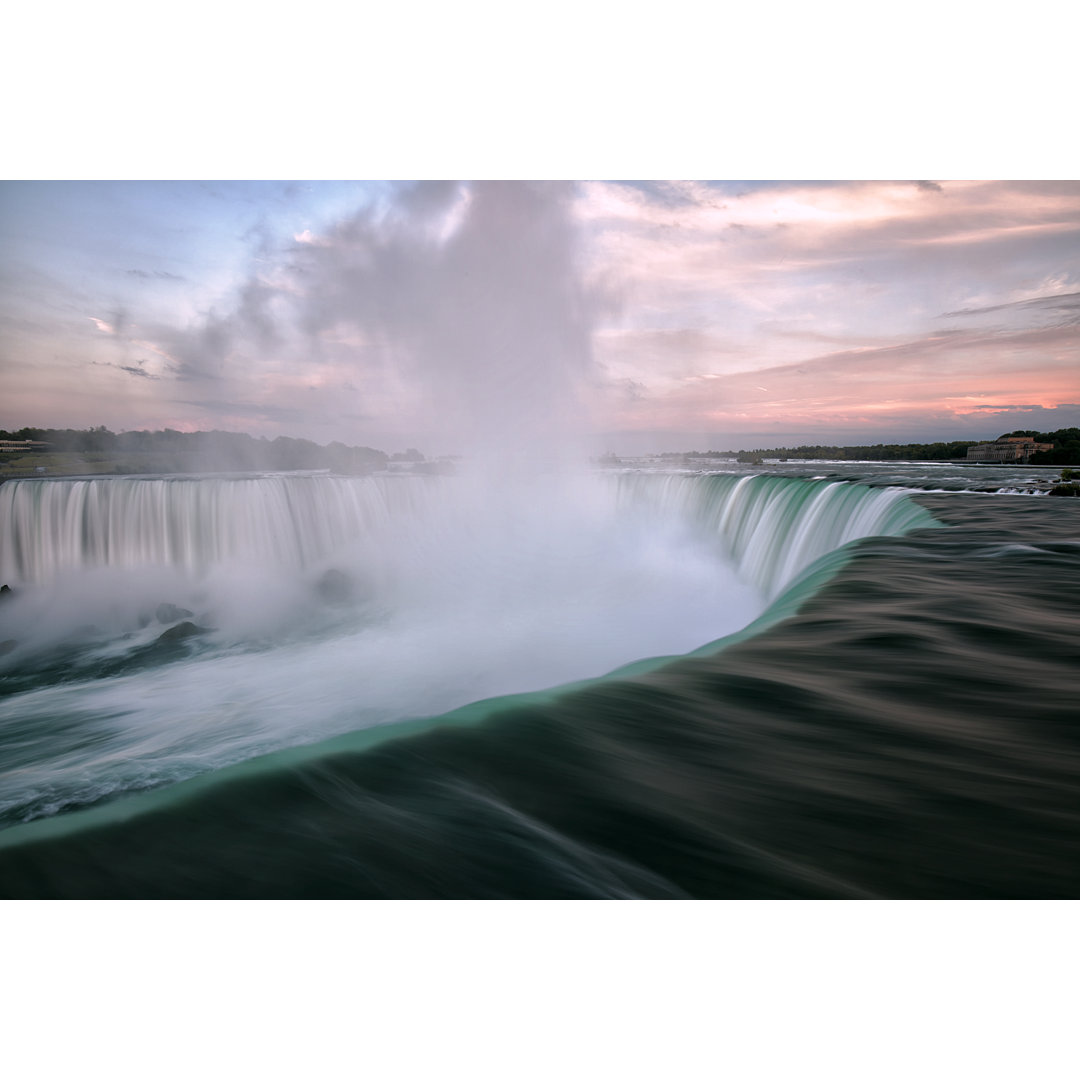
(388, 314)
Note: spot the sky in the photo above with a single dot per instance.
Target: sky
(635, 317)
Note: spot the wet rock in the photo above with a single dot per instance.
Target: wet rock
(335, 587)
(6, 592)
(169, 613)
(179, 632)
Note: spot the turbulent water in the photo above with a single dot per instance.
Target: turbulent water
(807, 680)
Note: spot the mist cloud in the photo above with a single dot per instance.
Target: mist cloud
(457, 316)
(459, 306)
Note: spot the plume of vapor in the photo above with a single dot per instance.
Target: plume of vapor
(456, 313)
(472, 298)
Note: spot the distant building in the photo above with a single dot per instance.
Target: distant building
(1009, 448)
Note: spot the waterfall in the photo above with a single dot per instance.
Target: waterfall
(443, 592)
(289, 522)
(773, 528)
(769, 528)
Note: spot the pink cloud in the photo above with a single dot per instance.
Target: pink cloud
(861, 304)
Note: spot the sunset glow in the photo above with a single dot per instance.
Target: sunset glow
(719, 315)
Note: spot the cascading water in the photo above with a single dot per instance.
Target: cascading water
(773, 528)
(315, 605)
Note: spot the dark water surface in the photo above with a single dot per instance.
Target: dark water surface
(912, 732)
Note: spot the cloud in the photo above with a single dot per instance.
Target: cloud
(141, 372)
(811, 226)
(944, 376)
(429, 310)
(424, 308)
(1002, 418)
(459, 308)
(782, 267)
(130, 369)
(116, 328)
(1028, 408)
(155, 275)
(1066, 302)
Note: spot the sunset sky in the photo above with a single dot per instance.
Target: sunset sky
(652, 316)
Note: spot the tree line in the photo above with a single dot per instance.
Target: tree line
(241, 452)
(203, 449)
(1066, 450)
(939, 451)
